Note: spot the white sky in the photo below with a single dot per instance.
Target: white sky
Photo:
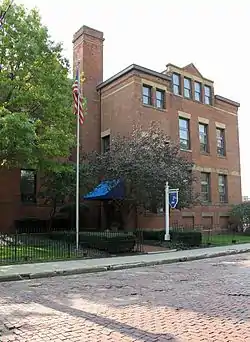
(214, 35)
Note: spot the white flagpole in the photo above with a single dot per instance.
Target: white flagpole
(78, 160)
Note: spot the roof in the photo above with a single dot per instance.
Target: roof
(139, 68)
(224, 99)
(133, 67)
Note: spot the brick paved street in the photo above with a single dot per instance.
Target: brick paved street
(207, 300)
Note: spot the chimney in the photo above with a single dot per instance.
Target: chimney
(88, 50)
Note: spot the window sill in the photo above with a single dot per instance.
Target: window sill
(156, 108)
(222, 157)
(179, 95)
(182, 150)
(205, 154)
(198, 102)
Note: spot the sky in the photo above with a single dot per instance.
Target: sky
(214, 35)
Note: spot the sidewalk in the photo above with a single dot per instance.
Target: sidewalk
(51, 269)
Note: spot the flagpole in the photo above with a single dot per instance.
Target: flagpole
(78, 162)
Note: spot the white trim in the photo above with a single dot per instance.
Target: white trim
(184, 115)
(105, 133)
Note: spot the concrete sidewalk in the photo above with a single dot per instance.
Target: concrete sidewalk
(59, 268)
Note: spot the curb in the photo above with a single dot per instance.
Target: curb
(95, 269)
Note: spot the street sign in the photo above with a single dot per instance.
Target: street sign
(173, 198)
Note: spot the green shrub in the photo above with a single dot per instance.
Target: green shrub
(155, 235)
(187, 238)
(247, 231)
(111, 242)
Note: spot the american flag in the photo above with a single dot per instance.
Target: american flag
(2, 15)
(77, 96)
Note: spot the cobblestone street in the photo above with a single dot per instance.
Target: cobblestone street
(207, 300)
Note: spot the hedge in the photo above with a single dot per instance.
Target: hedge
(187, 238)
(111, 242)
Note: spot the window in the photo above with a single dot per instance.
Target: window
(147, 95)
(28, 186)
(106, 143)
(176, 84)
(207, 92)
(197, 91)
(184, 134)
(160, 98)
(187, 87)
(222, 188)
(220, 137)
(203, 134)
(205, 187)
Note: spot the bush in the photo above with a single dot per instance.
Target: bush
(155, 235)
(187, 238)
(247, 231)
(111, 242)
(30, 225)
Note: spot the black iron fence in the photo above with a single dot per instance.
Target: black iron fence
(61, 245)
(197, 236)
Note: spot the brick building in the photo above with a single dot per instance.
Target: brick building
(181, 99)
(184, 102)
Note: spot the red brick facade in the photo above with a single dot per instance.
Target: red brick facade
(114, 105)
(121, 105)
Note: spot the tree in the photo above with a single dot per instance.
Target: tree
(58, 187)
(36, 124)
(240, 216)
(144, 161)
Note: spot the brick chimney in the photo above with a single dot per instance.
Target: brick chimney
(88, 49)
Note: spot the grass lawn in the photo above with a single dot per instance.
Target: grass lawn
(225, 239)
(9, 254)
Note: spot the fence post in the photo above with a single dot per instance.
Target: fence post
(15, 246)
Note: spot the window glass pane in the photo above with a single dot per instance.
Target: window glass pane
(207, 100)
(176, 89)
(184, 144)
(187, 83)
(146, 91)
(183, 134)
(202, 128)
(159, 94)
(106, 143)
(202, 139)
(187, 93)
(197, 87)
(183, 123)
(176, 79)
(207, 91)
(159, 104)
(28, 185)
(197, 96)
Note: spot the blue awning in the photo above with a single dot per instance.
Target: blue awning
(107, 190)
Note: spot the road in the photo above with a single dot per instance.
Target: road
(206, 300)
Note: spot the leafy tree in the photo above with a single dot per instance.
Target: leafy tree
(36, 124)
(240, 216)
(145, 160)
(58, 187)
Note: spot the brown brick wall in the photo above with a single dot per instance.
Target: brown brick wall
(122, 106)
(88, 49)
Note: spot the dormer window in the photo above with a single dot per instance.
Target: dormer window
(176, 84)
(197, 91)
(207, 95)
(187, 87)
